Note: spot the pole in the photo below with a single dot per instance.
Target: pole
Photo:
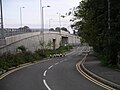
(50, 23)
(21, 16)
(43, 26)
(42, 19)
(2, 31)
(41, 14)
(59, 19)
(109, 27)
(108, 14)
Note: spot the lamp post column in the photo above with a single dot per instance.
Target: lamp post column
(2, 30)
(42, 24)
(21, 16)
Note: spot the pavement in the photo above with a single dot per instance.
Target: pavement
(94, 65)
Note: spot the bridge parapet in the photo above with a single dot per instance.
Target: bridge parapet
(32, 41)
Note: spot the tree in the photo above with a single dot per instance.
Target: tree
(65, 29)
(49, 44)
(51, 29)
(57, 29)
(91, 20)
(25, 28)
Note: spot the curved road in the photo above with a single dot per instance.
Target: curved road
(55, 74)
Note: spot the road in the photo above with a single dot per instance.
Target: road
(55, 74)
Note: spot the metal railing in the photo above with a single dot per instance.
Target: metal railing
(14, 31)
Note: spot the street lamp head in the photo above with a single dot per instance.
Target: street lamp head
(22, 7)
(45, 6)
(48, 6)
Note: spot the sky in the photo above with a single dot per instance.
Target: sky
(31, 13)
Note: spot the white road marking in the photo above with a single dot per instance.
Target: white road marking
(65, 60)
(56, 63)
(46, 85)
(45, 73)
(61, 61)
(9, 72)
(50, 67)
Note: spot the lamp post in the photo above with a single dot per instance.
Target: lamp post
(42, 22)
(2, 31)
(109, 27)
(50, 23)
(21, 16)
(108, 14)
(59, 19)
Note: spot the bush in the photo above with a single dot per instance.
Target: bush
(8, 60)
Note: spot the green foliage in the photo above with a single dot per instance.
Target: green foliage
(91, 20)
(49, 44)
(61, 43)
(63, 49)
(8, 60)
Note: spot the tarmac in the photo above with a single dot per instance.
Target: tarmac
(93, 65)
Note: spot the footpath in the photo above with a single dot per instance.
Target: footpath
(93, 65)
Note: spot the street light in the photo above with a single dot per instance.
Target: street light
(59, 19)
(108, 14)
(50, 22)
(109, 27)
(63, 16)
(2, 31)
(21, 16)
(42, 18)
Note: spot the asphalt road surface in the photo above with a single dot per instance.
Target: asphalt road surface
(56, 74)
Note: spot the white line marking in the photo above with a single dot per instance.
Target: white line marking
(9, 72)
(46, 85)
(65, 60)
(56, 63)
(61, 61)
(45, 73)
(50, 67)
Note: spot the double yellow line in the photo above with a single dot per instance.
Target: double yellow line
(82, 72)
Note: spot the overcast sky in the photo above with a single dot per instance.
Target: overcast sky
(31, 12)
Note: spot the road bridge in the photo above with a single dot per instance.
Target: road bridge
(32, 40)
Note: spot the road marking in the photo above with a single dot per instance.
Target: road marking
(61, 61)
(65, 60)
(21, 67)
(56, 63)
(50, 67)
(46, 85)
(45, 73)
(16, 69)
(90, 78)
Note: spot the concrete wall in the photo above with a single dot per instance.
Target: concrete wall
(32, 40)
